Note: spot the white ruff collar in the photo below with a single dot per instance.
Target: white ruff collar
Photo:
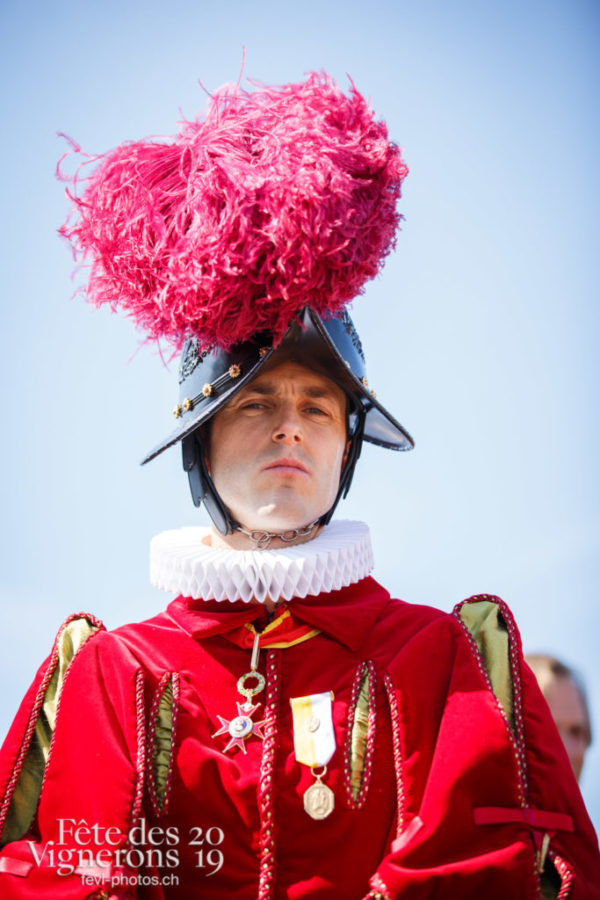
(180, 563)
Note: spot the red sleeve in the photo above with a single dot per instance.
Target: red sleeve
(497, 797)
(74, 845)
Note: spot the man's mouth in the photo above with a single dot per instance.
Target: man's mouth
(286, 464)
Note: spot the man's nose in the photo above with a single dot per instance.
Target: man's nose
(289, 428)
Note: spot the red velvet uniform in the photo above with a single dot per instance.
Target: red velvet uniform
(451, 800)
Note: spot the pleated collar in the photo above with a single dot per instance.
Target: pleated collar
(181, 563)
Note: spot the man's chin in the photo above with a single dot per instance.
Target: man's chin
(273, 518)
(269, 527)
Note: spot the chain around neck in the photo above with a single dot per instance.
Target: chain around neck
(261, 540)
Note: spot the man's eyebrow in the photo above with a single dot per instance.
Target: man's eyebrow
(268, 388)
(317, 392)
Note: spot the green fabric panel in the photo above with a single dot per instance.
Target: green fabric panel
(358, 739)
(29, 784)
(485, 622)
(163, 740)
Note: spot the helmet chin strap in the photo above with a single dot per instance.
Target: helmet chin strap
(261, 540)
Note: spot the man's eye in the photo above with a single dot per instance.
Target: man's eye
(316, 410)
(253, 404)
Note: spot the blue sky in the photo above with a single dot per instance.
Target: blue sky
(481, 333)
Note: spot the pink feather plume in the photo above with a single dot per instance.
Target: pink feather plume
(279, 198)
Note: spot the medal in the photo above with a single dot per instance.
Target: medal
(319, 800)
(314, 745)
(242, 726)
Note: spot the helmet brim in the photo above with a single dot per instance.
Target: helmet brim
(329, 346)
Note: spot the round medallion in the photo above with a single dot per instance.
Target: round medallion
(240, 727)
(318, 800)
(312, 724)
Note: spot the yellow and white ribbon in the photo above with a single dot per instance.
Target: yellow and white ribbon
(314, 738)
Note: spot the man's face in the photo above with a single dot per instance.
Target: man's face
(277, 448)
(570, 718)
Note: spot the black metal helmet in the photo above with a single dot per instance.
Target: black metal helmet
(209, 379)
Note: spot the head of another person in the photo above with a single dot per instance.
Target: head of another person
(567, 701)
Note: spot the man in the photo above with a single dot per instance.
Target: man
(285, 728)
(568, 705)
